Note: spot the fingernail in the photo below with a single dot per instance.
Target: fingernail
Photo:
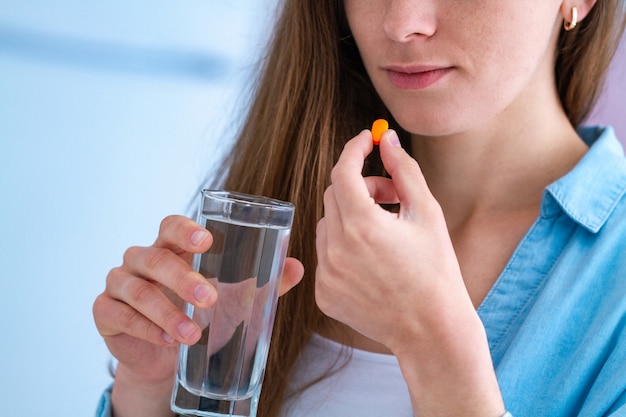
(186, 329)
(203, 292)
(199, 236)
(393, 138)
(167, 338)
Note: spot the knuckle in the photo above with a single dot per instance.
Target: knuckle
(130, 254)
(99, 310)
(181, 281)
(135, 324)
(408, 163)
(98, 306)
(129, 319)
(104, 316)
(356, 235)
(335, 174)
(327, 198)
(321, 226)
(143, 292)
(144, 329)
(185, 276)
(156, 258)
(328, 193)
(372, 235)
(113, 275)
(334, 258)
(170, 315)
(168, 222)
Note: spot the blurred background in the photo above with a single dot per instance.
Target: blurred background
(111, 115)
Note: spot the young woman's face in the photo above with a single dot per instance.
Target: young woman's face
(448, 66)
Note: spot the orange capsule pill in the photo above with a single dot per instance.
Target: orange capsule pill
(378, 128)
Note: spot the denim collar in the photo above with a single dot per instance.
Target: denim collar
(589, 193)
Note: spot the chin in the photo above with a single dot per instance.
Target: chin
(431, 127)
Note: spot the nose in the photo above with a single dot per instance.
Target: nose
(409, 19)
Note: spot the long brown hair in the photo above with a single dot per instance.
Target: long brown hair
(312, 96)
(584, 55)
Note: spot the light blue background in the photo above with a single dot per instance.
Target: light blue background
(111, 115)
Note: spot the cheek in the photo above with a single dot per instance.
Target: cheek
(362, 19)
(499, 53)
(516, 61)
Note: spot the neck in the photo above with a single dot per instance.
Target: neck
(503, 167)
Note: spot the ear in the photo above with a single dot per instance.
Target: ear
(583, 8)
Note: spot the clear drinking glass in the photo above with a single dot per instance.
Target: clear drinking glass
(221, 375)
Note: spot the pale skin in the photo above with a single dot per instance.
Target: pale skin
(140, 317)
(486, 139)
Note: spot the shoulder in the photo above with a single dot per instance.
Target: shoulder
(592, 193)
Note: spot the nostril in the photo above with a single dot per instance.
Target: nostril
(402, 24)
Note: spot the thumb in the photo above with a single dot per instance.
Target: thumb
(406, 175)
(292, 275)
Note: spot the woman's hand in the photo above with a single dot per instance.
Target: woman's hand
(394, 278)
(387, 264)
(140, 314)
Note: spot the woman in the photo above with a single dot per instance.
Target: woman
(495, 285)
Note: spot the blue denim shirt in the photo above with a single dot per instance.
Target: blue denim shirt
(556, 317)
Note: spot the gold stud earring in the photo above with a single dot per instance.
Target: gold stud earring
(571, 25)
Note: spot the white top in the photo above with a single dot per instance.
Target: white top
(361, 383)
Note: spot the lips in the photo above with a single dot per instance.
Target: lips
(416, 78)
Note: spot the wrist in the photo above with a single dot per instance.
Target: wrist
(448, 369)
(131, 397)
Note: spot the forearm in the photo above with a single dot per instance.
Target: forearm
(449, 371)
(131, 398)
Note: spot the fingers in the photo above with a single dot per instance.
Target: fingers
(171, 271)
(143, 297)
(292, 275)
(140, 296)
(381, 189)
(167, 262)
(115, 318)
(354, 194)
(140, 308)
(181, 234)
(407, 178)
(350, 190)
